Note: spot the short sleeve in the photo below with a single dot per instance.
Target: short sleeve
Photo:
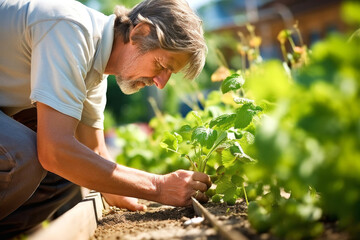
(59, 63)
(94, 105)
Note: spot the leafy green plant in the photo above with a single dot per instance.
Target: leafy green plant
(206, 137)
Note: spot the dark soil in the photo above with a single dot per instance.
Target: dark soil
(164, 222)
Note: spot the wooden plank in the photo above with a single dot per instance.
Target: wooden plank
(96, 198)
(78, 223)
(224, 231)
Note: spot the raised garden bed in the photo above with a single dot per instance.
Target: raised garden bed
(93, 219)
(78, 223)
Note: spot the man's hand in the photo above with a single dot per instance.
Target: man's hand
(178, 187)
(174, 189)
(123, 202)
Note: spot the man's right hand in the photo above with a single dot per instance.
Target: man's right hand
(178, 187)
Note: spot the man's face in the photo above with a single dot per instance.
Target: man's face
(135, 70)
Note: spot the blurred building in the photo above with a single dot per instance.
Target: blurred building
(316, 18)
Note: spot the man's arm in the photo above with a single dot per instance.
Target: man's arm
(94, 139)
(60, 152)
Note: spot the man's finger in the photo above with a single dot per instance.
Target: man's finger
(201, 197)
(197, 185)
(202, 177)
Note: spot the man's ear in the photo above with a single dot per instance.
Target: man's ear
(139, 31)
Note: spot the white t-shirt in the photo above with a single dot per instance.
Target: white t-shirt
(54, 52)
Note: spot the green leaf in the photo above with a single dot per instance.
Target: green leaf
(224, 121)
(204, 136)
(220, 171)
(233, 157)
(237, 133)
(233, 82)
(216, 198)
(230, 195)
(239, 100)
(227, 158)
(244, 117)
(213, 111)
(236, 149)
(210, 192)
(244, 158)
(245, 114)
(197, 118)
(236, 168)
(186, 131)
(223, 185)
(178, 137)
(237, 180)
(239, 154)
(249, 137)
(171, 141)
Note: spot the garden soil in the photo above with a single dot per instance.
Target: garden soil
(165, 222)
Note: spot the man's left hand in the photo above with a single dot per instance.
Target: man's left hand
(129, 203)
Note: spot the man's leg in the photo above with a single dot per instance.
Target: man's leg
(52, 193)
(26, 197)
(20, 170)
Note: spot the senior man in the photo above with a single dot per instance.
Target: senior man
(54, 59)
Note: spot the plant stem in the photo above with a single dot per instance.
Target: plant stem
(157, 111)
(219, 140)
(291, 41)
(243, 62)
(221, 58)
(283, 51)
(296, 26)
(214, 177)
(246, 199)
(186, 156)
(192, 163)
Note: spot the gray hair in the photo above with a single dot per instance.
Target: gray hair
(174, 27)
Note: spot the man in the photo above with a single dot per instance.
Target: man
(54, 59)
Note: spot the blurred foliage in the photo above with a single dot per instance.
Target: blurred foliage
(109, 120)
(140, 149)
(127, 108)
(350, 12)
(310, 137)
(308, 143)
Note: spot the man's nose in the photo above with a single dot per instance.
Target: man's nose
(162, 78)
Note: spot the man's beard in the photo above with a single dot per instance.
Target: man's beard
(132, 86)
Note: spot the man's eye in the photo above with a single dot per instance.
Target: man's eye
(159, 66)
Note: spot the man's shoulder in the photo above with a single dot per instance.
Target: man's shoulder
(70, 10)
